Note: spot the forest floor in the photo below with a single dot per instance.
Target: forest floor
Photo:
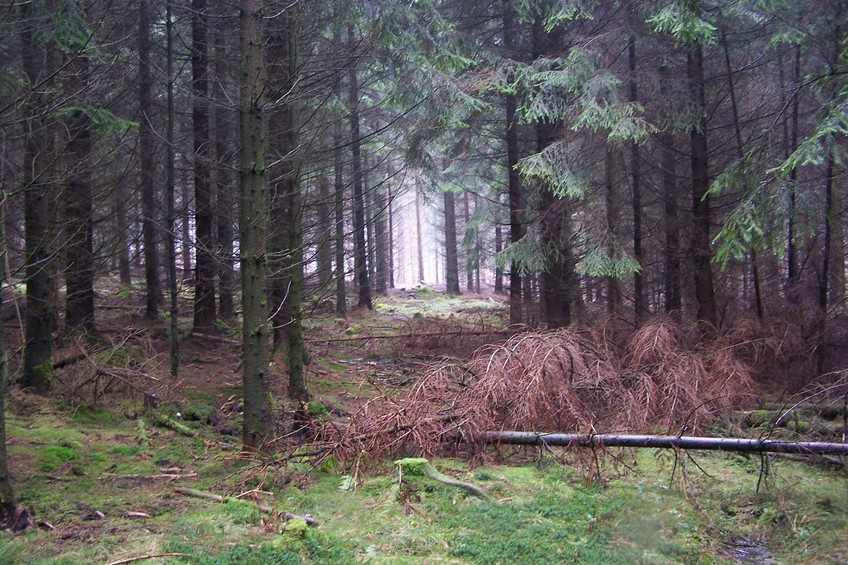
(99, 471)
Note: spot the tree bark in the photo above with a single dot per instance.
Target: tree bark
(451, 257)
(360, 248)
(420, 236)
(8, 503)
(739, 445)
(516, 200)
(700, 243)
(381, 239)
(339, 193)
(204, 213)
(671, 285)
(324, 243)
(79, 253)
(170, 197)
(639, 298)
(554, 286)
(40, 306)
(258, 420)
(147, 146)
(223, 180)
(613, 294)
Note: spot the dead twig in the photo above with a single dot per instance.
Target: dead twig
(261, 507)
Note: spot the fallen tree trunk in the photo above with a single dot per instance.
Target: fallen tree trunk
(667, 442)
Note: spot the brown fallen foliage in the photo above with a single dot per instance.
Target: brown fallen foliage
(664, 377)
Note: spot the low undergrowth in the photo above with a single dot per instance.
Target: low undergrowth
(100, 495)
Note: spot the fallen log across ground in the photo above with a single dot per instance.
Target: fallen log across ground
(740, 445)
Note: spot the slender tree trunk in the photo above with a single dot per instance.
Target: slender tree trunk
(381, 241)
(468, 242)
(258, 420)
(700, 244)
(170, 189)
(40, 307)
(791, 251)
(498, 248)
(740, 155)
(360, 248)
(555, 290)
(287, 286)
(124, 237)
(339, 192)
(204, 213)
(451, 256)
(223, 181)
(8, 503)
(79, 253)
(516, 201)
(185, 202)
(671, 285)
(147, 145)
(420, 237)
(391, 241)
(639, 298)
(370, 215)
(824, 279)
(324, 254)
(613, 294)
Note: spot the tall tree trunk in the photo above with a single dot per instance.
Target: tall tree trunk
(391, 237)
(639, 298)
(8, 503)
(381, 240)
(223, 180)
(124, 237)
(451, 256)
(469, 242)
(700, 244)
(286, 289)
(516, 201)
(498, 248)
(185, 204)
(147, 145)
(824, 279)
(258, 421)
(204, 213)
(339, 192)
(324, 254)
(370, 215)
(613, 294)
(671, 285)
(419, 237)
(170, 197)
(40, 306)
(79, 252)
(740, 155)
(360, 249)
(789, 148)
(554, 288)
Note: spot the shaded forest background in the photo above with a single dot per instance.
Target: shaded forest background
(593, 161)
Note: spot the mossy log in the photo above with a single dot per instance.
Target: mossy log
(170, 423)
(420, 465)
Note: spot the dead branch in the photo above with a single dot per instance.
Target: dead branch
(411, 335)
(740, 445)
(261, 507)
(215, 338)
(145, 557)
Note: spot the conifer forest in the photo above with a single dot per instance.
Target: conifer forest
(296, 281)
